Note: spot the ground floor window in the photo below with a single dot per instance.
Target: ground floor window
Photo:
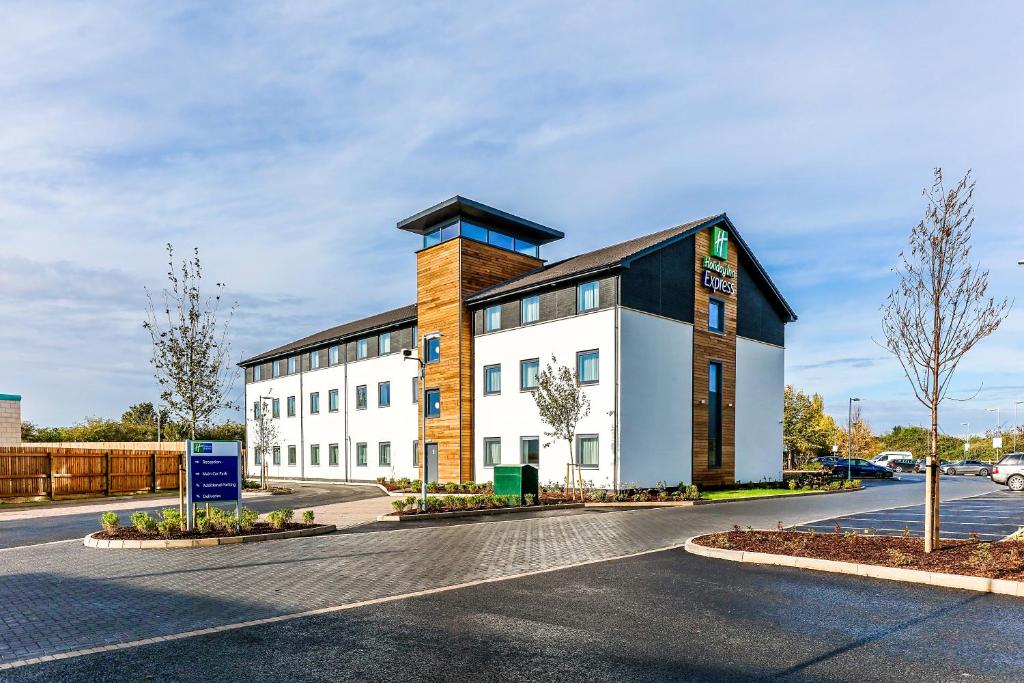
(314, 454)
(259, 458)
(277, 455)
(586, 450)
(332, 455)
(291, 456)
(361, 454)
(415, 453)
(492, 452)
(714, 415)
(384, 454)
(529, 450)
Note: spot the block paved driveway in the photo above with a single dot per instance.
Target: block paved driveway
(64, 597)
(992, 517)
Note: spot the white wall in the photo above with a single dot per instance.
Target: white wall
(512, 414)
(760, 383)
(656, 400)
(396, 424)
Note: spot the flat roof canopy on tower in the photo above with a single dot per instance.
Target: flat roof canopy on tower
(424, 221)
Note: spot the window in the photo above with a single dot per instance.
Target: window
(361, 349)
(492, 452)
(415, 453)
(474, 232)
(256, 410)
(291, 456)
(587, 367)
(361, 455)
(530, 309)
(277, 455)
(480, 233)
(586, 450)
(433, 403)
(384, 343)
(588, 297)
(314, 360)
(383, 394)
(529, 450)
(332, 400)
(714, 415)
(492, 318)
(314, 454)
(276, 368)
(275, 408)
(291, 365)
(527, 247)
(257, 373)
(433, 349)
(258, 458)
(291, 406)
(332, 355)
(449, 231)
(384, 454)
(415, 336)
(528, 372)
(416, 389)
(314, 403)
(361, 397)
(716, 316)
(332, 455)
(492, 380)
(432, 238)
(501, 240)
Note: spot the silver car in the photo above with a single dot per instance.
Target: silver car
(1010, 471)
(977, 467)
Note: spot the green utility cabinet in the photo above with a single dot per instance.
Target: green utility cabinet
(516, 480)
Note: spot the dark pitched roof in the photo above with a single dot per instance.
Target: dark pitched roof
(339, 332)
(592, 261)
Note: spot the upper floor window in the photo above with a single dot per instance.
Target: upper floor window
(291, 406)
(384, 454)
(361, 397)
(332, 355)
(492, 379)
(257, 373)
(332, 400)
(416, 389)
(415, 336)
(314, 403)
(361, 349)
(384, 343)
(291, 365)
(480, 233)
(383, 394)
(527, 247)
(276, 368)
(314, 360)
(433, 407)
(529, 371)
(256, 410)
(433, 349)
(276, 451)
(587, 367)
(588, 296)
(716, 316)
(275, 408)
(530, 309)
(492, 318)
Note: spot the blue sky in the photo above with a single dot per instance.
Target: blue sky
(286, 139)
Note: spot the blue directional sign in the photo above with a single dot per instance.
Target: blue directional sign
(214, 473)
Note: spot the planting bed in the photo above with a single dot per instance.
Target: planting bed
(128, 533)
(1001, 560)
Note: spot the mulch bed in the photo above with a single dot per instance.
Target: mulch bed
(1001, 560)
(128, 533)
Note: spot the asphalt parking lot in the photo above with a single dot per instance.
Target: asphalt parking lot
(991, 516)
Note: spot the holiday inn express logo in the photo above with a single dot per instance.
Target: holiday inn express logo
(719, 243)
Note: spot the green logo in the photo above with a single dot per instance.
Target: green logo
(719, 243)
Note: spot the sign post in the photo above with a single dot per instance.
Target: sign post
(214, 475)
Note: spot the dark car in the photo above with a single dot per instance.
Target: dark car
(827, 460)
(859, 468)
(920, 465)
(902, 465)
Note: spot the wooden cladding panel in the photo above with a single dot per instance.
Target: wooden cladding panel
(445, 275)
(709, 346)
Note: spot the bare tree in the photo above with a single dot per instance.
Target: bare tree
(561, 404)
(265, 438)
(190, 345)
(939, 310)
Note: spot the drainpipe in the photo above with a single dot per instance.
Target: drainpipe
(618, 372)
(343, 349)
(302, 425)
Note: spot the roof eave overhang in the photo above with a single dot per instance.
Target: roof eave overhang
(459, 206)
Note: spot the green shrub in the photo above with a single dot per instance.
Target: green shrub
(203, 524)
(691, 493)
(531, 499)
(170, 518)
(307, 516)
(398, 504)
(110, 521)
(168, 527)
(452, 487)
(432, 487)
(279, 518)
(249, 517)
(143, 522)
(222, 520)
(468, 486)
(416, 484)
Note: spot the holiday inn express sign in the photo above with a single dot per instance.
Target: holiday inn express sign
(718, 274)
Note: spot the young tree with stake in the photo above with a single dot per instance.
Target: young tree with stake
(561, 404)
(939, 310)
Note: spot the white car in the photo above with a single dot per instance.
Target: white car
(885, 457)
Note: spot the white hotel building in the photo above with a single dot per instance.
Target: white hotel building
(677, 338)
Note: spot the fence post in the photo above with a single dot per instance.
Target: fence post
(106, 474)
(49, 470)
(152, 460)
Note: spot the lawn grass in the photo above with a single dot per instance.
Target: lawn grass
(729, 494)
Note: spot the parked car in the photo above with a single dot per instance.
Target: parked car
(977, 467)
(827, 460)
(920, 465)
(885, 457)
(902, 465)
(1010, 471)
(859, 468)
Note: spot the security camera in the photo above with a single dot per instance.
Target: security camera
(407, 353)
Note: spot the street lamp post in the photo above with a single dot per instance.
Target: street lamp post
(263, 456)
(998, 433)
(967, 437)
(849, 439)
(407, 353)
(1016, 424)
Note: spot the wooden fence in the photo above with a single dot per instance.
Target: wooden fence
(43, 471)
